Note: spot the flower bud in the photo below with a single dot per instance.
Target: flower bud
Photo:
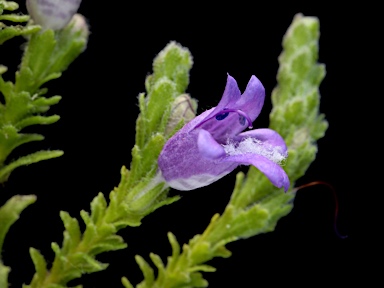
(183, 108)
(79, 24)
(52, 14)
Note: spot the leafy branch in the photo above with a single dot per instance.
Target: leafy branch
(140, 191)
(256, 205)
(47, 54)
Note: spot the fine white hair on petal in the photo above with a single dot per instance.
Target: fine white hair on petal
(254, 146)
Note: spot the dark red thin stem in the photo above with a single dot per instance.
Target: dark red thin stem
(335, 199)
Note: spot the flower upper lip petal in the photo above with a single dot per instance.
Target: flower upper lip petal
(232, 98)
(255, 94)
(231, 95)
(250, 103)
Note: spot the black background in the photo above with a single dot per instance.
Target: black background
(96, 131)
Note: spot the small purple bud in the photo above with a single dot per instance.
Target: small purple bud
(52, 14)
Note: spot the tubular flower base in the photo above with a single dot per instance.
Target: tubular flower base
(211, 145)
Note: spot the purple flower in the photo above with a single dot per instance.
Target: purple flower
(211, 145)
(52, 14)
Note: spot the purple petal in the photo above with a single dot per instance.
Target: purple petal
(231, 94)
(208, 147)
(266, 136)
(250, 102)
(185, 168)
(273, 171)
(252, 99)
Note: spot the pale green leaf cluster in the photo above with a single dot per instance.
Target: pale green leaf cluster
(77, 254)
(140, 191)
(296, 100)
(46, 55)
(256, 205)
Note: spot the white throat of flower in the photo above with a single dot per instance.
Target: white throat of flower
(254, 146)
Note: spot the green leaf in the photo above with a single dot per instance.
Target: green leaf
(10, 212)
(197, 280)
(175, 250)
(88, 264)
(203, 268)
(13, 31)
(98, 207)
(159, 265)
(10, 139)
(162, 95)
(151, 150)
(126, 282)
(37, 120)
(27, 160)
(72, 232)
(4, 271)
(9, 5)
(36, 62)
(110, 243)
(14, 18)
(148, 273)
(40, 264)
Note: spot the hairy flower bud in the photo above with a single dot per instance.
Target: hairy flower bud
(80, 24)
(183, 108)
(52, 14)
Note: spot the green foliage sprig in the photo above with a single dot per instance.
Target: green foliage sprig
(140, 191)
(47, 54)
(256, 205)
